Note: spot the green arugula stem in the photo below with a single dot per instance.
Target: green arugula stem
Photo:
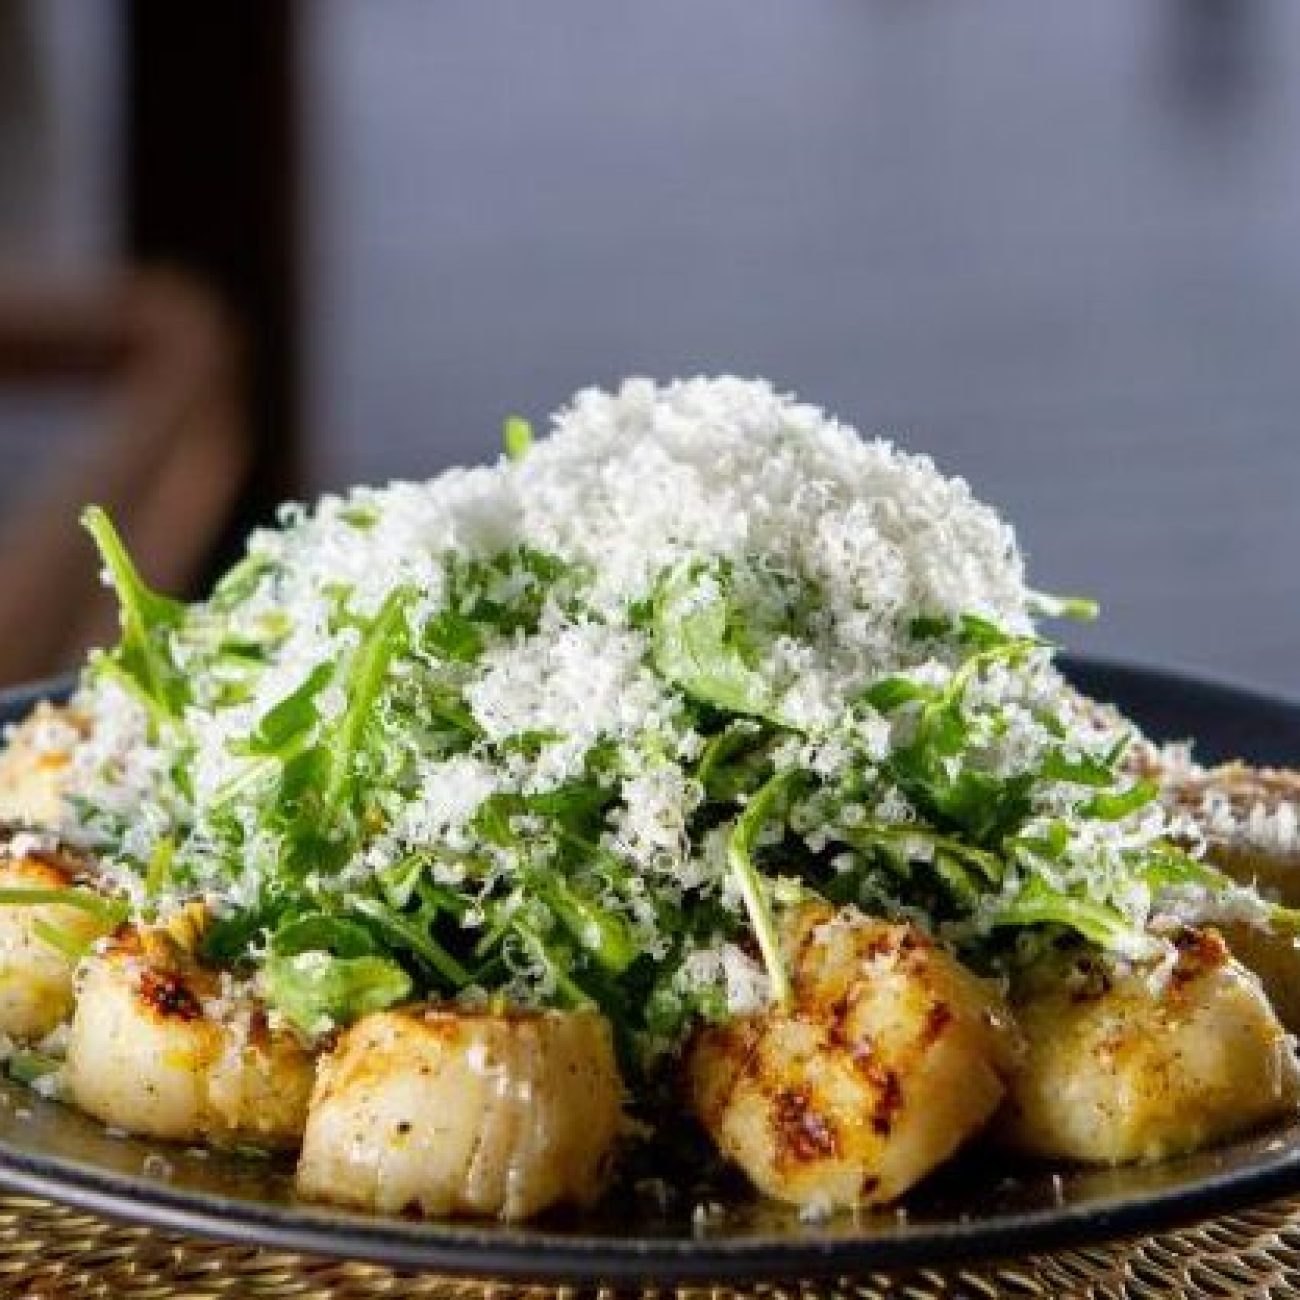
(110, 911)
(753, 888)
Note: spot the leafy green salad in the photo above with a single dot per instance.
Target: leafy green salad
(575, 728)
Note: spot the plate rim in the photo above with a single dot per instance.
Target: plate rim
(529, 1254)
(537, 1256)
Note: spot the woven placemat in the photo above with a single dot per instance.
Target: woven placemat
(48, 1252)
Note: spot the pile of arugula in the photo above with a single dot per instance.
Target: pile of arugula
(543, 905)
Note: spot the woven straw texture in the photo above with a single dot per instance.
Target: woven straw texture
(48, 1252)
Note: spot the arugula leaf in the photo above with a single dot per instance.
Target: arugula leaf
(1164, 866)
(492, 820)
(1113, 807)
(70, 945)
(669, 1009)
(405, 883)
(316, 801)
(576, 810)
(362, 515)
(602, 932)
(453, 636)
(505, 593)
(577, 807)
(28, 1066)
(735, 762)
(311, 841)
(108, 911)
(230, 939)
(890, 693)
(984, 807)
(316, 991)
(1039, 903)
(161, 862)
(984, 635)
(143, 656)
(1079, 608)
(381, 642)
(904, 837)
(320, 930)
(444, 704)
(413, 934)
(928, 769)
(240, 581)
(698, 645)
(289, 725)
(1084, 770)
(929, 627)
(324, 971)
(1051, 843)
(517, 435)
(571, 993)
(955, 875)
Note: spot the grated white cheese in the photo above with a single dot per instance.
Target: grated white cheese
(628, 483)
(450, 794)
(635, 480)
(650, 828)
(741, 979)
(758, 491)
(575, 682)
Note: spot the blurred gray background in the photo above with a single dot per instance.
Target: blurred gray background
(1057, 246)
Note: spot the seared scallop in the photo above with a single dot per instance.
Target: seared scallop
(40, 944)
(889, 1057)
(1139, 1064)
(34, 766)
(165, 1048)
(1250, 818)
(450, 1111)
(1272, 954)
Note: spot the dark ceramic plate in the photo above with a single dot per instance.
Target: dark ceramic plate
(978, 1206)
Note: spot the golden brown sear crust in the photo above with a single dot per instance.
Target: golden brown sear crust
(163, 1046)
(39, 869)
(36, 973)
(33, 773)
(1249, 820)
(1243, 813)
(1145, 1063)
(49, 865)
(800, 1132)
(167, 995)
(888, 1057)
(434, 1111)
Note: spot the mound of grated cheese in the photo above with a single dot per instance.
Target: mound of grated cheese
(627, 485)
